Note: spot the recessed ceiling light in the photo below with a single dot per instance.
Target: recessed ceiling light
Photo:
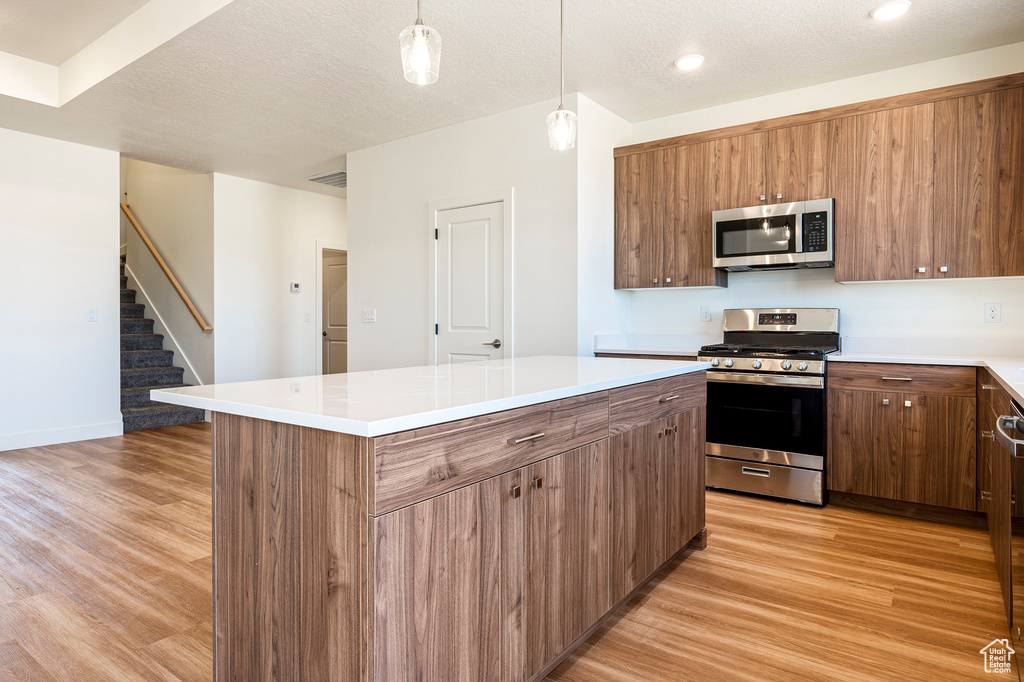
(890, 10)
(690, 61)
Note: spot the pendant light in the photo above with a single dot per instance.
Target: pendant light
(561, 121)
(421, 52)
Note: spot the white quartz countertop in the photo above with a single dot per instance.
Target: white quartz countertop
(391, 400)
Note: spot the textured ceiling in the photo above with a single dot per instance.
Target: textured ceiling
(51, 31)
(276, 90)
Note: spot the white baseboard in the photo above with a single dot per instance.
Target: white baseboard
(34, 439)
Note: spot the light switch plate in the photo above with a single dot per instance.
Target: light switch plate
(369, 315)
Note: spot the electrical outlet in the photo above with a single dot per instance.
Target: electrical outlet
(296, 287)
(94, 315)
(307, 317)
(705, 313)
(993, 312)
(369, 315)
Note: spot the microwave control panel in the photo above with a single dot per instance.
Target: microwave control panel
(815, 232)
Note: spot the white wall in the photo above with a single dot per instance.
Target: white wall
(390, 187)
(952, 308)
(59, 374)
(600, 309)
(175, 208)
(265, 238)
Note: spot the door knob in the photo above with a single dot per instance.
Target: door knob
(325, 333)
(496, 343)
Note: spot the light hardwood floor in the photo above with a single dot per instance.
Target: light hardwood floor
(105, 574)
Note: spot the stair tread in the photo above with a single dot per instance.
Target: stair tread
(142, 370)
(141, 336)
(147, 351)
(153, 409)
(131, 390)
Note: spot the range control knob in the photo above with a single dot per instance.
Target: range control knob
(802, 367)
(757, 364)
(786, 364)
(714, 362)
(728, 362)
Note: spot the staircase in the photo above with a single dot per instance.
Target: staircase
(145, 365)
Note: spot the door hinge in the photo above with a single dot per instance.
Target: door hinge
(435, 233)
(435, 329)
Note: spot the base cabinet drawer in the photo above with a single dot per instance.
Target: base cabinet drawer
(903, 378)
(792, 483)
(633, 406)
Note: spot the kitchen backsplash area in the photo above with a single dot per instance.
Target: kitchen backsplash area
(945, 313)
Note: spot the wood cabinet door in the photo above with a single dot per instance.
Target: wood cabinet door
(937, 463)
(884, 189)
(741, 171)
(632, 551)
(689, 201)
(682, 467)
(565, 587)
(863, 442)
(447, 586)
(802, 162)
(639, 214)
(988, 238)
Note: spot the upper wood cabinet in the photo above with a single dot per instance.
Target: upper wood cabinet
(987, 236)
(663, 204)
(778, 166)
(884, 195)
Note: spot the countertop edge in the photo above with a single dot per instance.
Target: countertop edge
(372, 429)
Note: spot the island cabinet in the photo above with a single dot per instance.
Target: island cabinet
(485, 548)
(903, 432)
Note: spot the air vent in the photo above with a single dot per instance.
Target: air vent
(338, 178)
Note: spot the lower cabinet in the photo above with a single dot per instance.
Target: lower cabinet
(495, 580)
(657, 496)
(915, 445)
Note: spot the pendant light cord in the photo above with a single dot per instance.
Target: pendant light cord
(561, 51)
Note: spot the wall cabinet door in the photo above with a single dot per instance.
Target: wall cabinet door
(884, 194)
(447, 586)
(639, 220)
(802, 162)
(863, 434)
(937, 461)
(988, 235)
(689, 201)
(741, 171)
(567, 551)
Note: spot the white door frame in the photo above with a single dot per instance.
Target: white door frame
(466, 200)
(320, 246)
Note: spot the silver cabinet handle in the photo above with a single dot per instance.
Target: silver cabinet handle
(750, 471)
(986, 387)
(906, 403)
(943, 269)
(922, 270)
(896, 379)
(524, 439)
(991, 435)
(496, 343)
(515, 491)
(1012, 445)
(885, 401)
(668, 399)
(538, 483)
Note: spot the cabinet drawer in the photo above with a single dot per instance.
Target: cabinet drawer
(633, 406)
(921, 379)
(416, 465)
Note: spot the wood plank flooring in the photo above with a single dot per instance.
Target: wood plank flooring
(105, 574)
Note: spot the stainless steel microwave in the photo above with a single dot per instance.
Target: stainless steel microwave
(772, 237)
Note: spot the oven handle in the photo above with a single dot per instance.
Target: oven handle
(767, 379)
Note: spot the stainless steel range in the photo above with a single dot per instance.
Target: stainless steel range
(766, 402)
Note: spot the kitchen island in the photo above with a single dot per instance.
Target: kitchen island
(474, 521)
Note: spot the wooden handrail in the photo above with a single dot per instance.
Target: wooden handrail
(167, 271)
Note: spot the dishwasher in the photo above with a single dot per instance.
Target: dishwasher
(1007, 532)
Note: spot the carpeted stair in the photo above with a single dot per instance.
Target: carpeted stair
(145, 365)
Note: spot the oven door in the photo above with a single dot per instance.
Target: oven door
(777, 419)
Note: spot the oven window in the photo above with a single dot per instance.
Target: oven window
(756, 236)
(787, 418)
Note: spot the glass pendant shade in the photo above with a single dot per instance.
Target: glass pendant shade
(562, 129)
(421, 53)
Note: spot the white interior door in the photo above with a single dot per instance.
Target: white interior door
(335, 312)
(470, 283)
